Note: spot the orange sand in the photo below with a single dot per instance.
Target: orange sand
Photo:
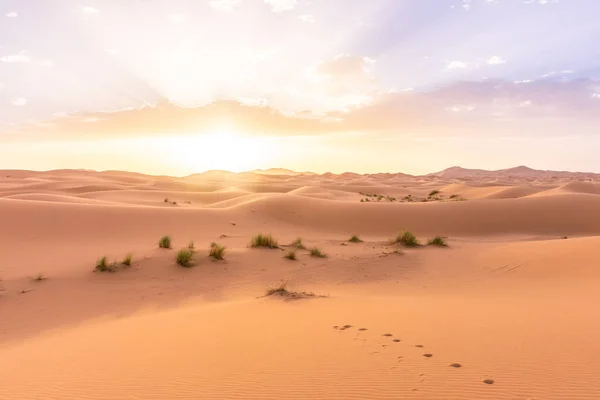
(508, 299)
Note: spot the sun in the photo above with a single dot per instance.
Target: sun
(221, 149)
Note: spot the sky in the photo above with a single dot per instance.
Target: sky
(183, 86)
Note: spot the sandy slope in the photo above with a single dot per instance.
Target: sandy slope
(509, 299)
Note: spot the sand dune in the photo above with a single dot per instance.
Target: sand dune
(511, 299)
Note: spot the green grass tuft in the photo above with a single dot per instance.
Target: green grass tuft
(262, 240)
(127, 260)
(184, 258)
(407, 239)
(290, 255)
(102, 265)
(316, 252)
(298, 244)
(165, 242)
(217, 251)
(354, 239)
(437, 241)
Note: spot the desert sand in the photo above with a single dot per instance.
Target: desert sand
(511, 301)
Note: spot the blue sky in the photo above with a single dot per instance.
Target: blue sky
(397, 71)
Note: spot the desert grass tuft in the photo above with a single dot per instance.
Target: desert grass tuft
(102, 265)
(39, 277)
(290, 255)
(407, 239)
(355, 239)
(217, 251)
(127, 260)
(279, 289)
(437, 241)
(191, 245)
(298, 244)
(433, 193)
(184, 258)
(262, 240)
(316, 252)
(165, 242)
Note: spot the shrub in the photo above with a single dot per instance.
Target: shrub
(298, 244)
(290, 254)
(315, 252)
(279, 289)
(184, 258)
(437, 241)
(127, 260)
(166, 200)
(217, 251)
(262, 240)
(407, 239)
(165, 242)
(102, 265)
(433, 193)
(354, 239)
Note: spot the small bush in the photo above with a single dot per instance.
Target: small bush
(315, 252)
(437, 241)
(165, 242)
(166, 200)
(184, 258)
(298, 244)
(280, 289)
(354, 239)
(407, 239)
(102, 265)
(191, 245)
(262, 240)
(290, 255)
(433, 193)
(217, 251)
(127, 260)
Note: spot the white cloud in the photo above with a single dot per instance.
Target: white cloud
(456, 65)
(224, 5)
(595, 95)
(16, 58)
(525, 103)
(176, 18)
(89, 10)
(47, 63)
(307, 18)
(281, 5)
(12, 14)
(21, 101)
(495, 60)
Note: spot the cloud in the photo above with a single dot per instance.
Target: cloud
(16, 58)
(456, 65)
(310, 19)
(47, 63)
(21, 101)
(281, 5)
(224, 5)
(495, 60)
(12, 14)
(89, 10)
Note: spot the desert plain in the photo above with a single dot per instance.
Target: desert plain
(507, 310)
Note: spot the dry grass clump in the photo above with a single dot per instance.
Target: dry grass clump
(290, 255)
(217, 251)
(102, 265)
(127, 260)
(184, 258)
(316, 252)
(437, 241)
(406, 239)
(165, 242)
(298, 244)
(262, 240)
(354, 239)
(39, 277)
(191, 245)
(281, 290)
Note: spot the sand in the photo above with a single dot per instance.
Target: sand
(512, 299)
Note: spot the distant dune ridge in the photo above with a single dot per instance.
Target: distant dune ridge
(504, 311)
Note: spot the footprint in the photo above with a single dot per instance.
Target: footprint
(336, 327)
(418, 345)
(428, 355)
(488, 381)
(362, 329)
(396, 340)
(455, 365)
(387, 334)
